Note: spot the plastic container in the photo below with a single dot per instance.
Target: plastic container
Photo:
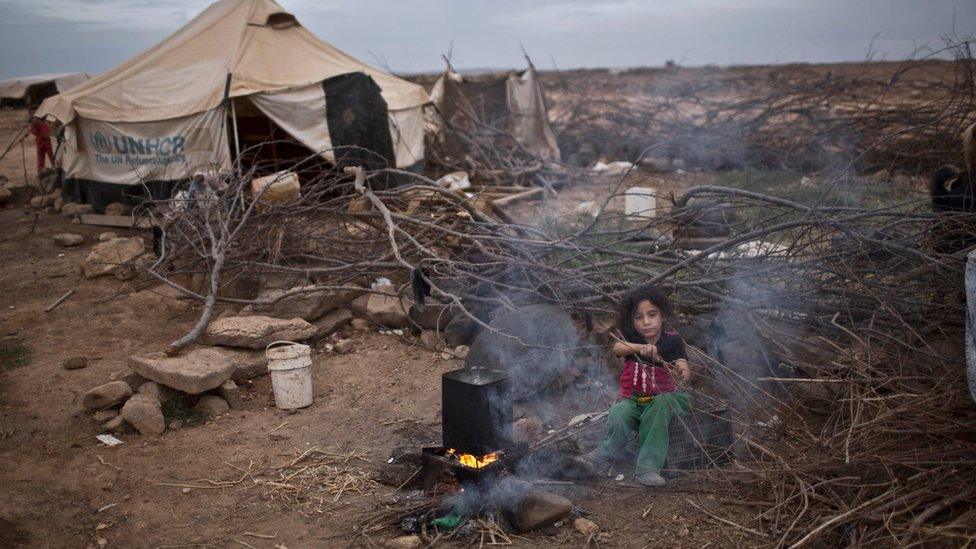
(640, 201)
(291, 374)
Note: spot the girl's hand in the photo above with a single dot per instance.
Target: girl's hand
(650, 351)
(679, 370)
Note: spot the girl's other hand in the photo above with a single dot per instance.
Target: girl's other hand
(650, 351)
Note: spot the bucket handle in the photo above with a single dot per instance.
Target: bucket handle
(266, 349)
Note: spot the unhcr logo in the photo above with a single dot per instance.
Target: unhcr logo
(101, 143)
(148, 146)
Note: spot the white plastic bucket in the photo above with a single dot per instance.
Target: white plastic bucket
(291, 374)
(640, 201)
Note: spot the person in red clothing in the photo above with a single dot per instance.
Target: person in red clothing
(42, 139)
(655, 365)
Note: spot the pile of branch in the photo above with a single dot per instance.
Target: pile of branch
(853, 300)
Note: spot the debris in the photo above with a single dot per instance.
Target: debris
(117, 208)
(455, 181)
(589, 208)
(106, 395)
(527, 429)
(256, 332)
(640, 202)
(193, 372)
(68, 240)
(230, 392)
(143, 412)
(108, 440)
(461, 352)
(613, 168)
(105, 257)
(586, 527)
(102, 416)
(359, 324)
(74, 363)
(343, 346)
(619, 478)
(211, 405)
(404, 542)
(59, 301)
(332, 321)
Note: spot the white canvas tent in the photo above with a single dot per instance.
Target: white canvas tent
(28, 90)
(514, 102)
(170, 111)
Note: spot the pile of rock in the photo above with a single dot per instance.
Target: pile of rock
(202, 380)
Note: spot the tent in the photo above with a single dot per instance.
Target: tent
(513, 102)
(31, 90)
(242, 69)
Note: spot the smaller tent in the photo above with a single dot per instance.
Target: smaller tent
(513, 102)
(25, 91)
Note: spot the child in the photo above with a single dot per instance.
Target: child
(42, 139)
(654, 362)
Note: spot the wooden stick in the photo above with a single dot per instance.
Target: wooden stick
(59, 301)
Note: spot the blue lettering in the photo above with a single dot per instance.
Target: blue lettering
(152, 146)
(136, 145)
(178, 143)
(165, 146)
(119, 148)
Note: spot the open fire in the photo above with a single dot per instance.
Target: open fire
(473, 461)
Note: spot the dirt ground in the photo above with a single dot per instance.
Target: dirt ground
(63, 488)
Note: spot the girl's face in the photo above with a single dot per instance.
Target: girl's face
(648, 320)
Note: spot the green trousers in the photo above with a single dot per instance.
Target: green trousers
(651, 423)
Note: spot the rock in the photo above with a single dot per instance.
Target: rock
(309, 306)
(5, 195)
(102, 416)
(387, 308)
(38, 202)
(528, 507)
(683, 532)
(359, 324)
(58, 204)
(230, 392)
(527, 429)
(68, 239)
(104, 396)
(71, 209)
(343, 346)
(461, 352)
(143, 412)
(105, 257)
(404, 542)
(249, 367)
(431, 340)
(211, 405)
(358, 305)
(461, 330)
(134, 381)
(161, 393)
(176, 425)
(256, 332)
(332, 321)
(586, 527)
(117, 208)
(74, 363)
(114, 425)
(108, 235)
(436, 316)
(192, 372)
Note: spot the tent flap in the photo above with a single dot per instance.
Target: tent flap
(301, 113)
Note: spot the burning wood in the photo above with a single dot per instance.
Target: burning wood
(472, 461)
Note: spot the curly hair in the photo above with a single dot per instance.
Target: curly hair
(625, 314)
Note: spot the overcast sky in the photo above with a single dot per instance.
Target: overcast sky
(39, 36)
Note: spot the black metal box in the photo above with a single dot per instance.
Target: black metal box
(476, 410)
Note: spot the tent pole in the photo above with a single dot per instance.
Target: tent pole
(237, 142)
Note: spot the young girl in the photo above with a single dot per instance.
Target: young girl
(654, 363)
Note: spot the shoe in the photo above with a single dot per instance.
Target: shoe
(651, 479)
(597, 457)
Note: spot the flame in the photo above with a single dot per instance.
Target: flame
(472, 461)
